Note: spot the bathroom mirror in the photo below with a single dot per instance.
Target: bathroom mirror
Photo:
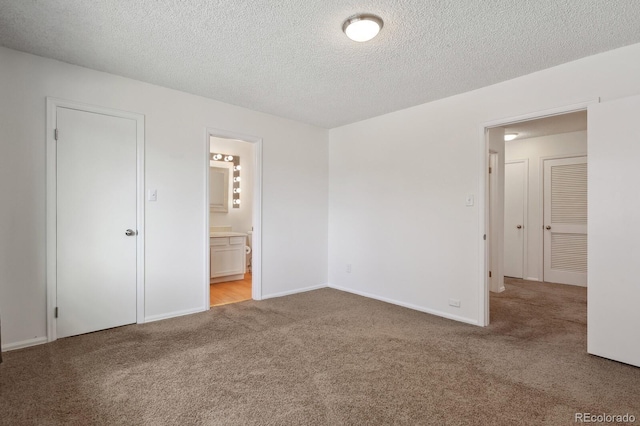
(232, 162)
(219, 189)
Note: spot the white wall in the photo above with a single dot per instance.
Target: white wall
(535, 150)
(240, 219)
(613, 292)
(405, 227)
(403, 224)
(295, 185)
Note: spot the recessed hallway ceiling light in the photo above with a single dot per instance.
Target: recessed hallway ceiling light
(362, 27)
(510, 136)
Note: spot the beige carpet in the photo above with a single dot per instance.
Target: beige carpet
(327, 357)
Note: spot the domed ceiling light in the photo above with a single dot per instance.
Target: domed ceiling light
(362, 27)
(510, 136)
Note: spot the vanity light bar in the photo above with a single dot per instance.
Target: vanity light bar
(236, 174)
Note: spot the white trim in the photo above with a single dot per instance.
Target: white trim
(532, 279)
(51, 219)
(206, 251)
(578, 106)
(541, 204)
(24, 344)
(52, 104)
(493, 263)
(174, 314)
(296, 291)
(483, 153)
(407, 305)
(484, 227)
(525, 218)
(256, 237)
(140, 238)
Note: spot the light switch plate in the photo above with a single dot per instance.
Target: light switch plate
(470, 200)
(152, 195)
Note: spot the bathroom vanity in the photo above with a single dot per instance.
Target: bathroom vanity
(228, 258)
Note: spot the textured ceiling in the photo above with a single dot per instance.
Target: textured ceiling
(553, 125)
(290, 58)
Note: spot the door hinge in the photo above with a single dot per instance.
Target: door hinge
(489, 274)
(484, 237)
(55, 312)
(490, 169)
(55, 134)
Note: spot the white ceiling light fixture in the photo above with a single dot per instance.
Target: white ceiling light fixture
(362, 27)
(510, 136)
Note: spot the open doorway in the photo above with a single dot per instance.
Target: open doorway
(233, 216)
(536, 197)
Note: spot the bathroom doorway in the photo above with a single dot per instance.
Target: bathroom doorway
(233, 216)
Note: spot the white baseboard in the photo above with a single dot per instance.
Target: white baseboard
(24, 344)
(298, 290)
(174, 314)
(532, 279)
(407, 305)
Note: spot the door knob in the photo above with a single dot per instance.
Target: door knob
(130, 232)
(548, 228)
(519, 226)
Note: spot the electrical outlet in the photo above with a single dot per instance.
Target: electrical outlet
(454, 302)
(348, 267)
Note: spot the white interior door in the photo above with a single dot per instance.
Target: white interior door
(96, 204)
(515, 188)
(565, 221)
(613, 316)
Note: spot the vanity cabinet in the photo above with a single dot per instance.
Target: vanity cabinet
(227, 258)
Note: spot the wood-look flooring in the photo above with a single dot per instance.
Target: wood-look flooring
(230, 291)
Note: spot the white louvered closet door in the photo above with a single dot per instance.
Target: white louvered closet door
(565, 221)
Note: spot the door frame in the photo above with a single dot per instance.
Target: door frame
(525, 216)
(483, 180)
(52, 105)
(256, 237)
(496, 284)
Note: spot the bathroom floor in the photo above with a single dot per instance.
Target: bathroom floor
(231, 291)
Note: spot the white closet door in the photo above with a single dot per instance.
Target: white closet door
(565, 221)
(96, 204)
(515, 187)
(613, 315)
